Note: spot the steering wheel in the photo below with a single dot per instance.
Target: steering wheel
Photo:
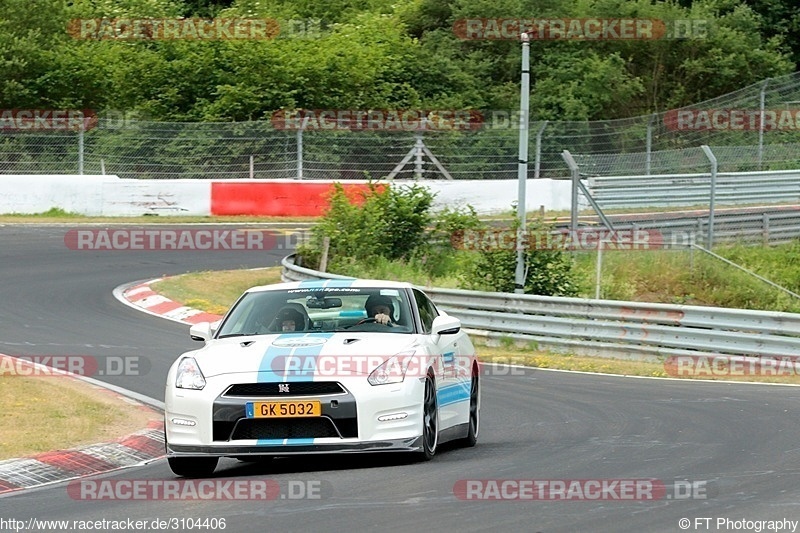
(372, 320)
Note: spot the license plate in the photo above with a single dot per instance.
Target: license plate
(283, 409)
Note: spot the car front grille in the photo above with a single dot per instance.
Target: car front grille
(300, 388)
(287, 428)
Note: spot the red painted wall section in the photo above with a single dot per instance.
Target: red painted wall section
(278, 198)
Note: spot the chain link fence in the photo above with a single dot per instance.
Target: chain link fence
(755, 128)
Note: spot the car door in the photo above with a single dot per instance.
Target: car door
(452, 394)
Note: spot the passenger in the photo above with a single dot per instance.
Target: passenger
(289, 319)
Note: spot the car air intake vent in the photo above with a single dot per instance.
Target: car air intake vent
(297, 428)
(300, 388)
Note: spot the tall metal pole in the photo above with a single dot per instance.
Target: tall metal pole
(522, 168)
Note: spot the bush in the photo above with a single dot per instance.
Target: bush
(390, 223)
(547, 272)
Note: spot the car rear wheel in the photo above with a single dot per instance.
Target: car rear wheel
(193, 466)
(430, 420)
(474, 411)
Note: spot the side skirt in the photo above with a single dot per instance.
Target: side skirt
(459, 431)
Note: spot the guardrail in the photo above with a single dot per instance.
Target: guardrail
(764, 226)
(610, 328)
(694, 189)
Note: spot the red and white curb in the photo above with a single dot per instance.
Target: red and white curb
(146, 299)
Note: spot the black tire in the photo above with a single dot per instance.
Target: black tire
(474, 412)
(430, 420)
(193, 466)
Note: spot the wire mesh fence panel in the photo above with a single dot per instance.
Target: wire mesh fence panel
(39, 152)
(153, 150)
(754, 128)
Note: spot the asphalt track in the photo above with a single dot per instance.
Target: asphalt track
(737, 444)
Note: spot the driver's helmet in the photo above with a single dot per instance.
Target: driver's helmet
(288, 313)
(375, 300)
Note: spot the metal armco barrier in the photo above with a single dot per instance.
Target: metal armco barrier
(763, 226)
(610, 328)
(672, 190)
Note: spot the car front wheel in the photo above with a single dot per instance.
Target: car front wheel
(430, 420)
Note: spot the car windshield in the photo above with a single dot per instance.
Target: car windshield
(319, 310)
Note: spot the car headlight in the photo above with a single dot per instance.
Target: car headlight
(393, 370)
(189, 375)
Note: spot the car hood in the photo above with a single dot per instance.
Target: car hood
(301, 354)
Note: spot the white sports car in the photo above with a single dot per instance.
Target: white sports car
(319, 367)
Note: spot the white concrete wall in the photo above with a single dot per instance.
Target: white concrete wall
(126, 197)
(490, 197)
(27, 194)
(112, 196)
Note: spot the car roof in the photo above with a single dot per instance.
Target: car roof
(333, 284)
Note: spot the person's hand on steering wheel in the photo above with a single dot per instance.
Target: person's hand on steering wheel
(384, 319)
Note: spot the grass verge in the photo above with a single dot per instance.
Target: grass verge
(42, 414)
(59, 216)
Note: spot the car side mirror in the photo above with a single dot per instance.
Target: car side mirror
(445, 325)
(201, 331)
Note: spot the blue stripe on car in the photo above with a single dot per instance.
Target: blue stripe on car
(453, 393)
(266, 372)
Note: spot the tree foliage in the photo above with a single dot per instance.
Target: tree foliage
(386, 54)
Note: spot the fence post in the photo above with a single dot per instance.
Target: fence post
(418, 152)
(713, 193)
(762, 100)
(300, 153)
(80, 148)
(303, 125)
(576, 177)
(252, 168)
(537, 164)
(598, 269)
(649, 154)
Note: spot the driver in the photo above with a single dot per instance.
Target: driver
(380, 308)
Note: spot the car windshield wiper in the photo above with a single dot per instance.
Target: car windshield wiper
(237, 335)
